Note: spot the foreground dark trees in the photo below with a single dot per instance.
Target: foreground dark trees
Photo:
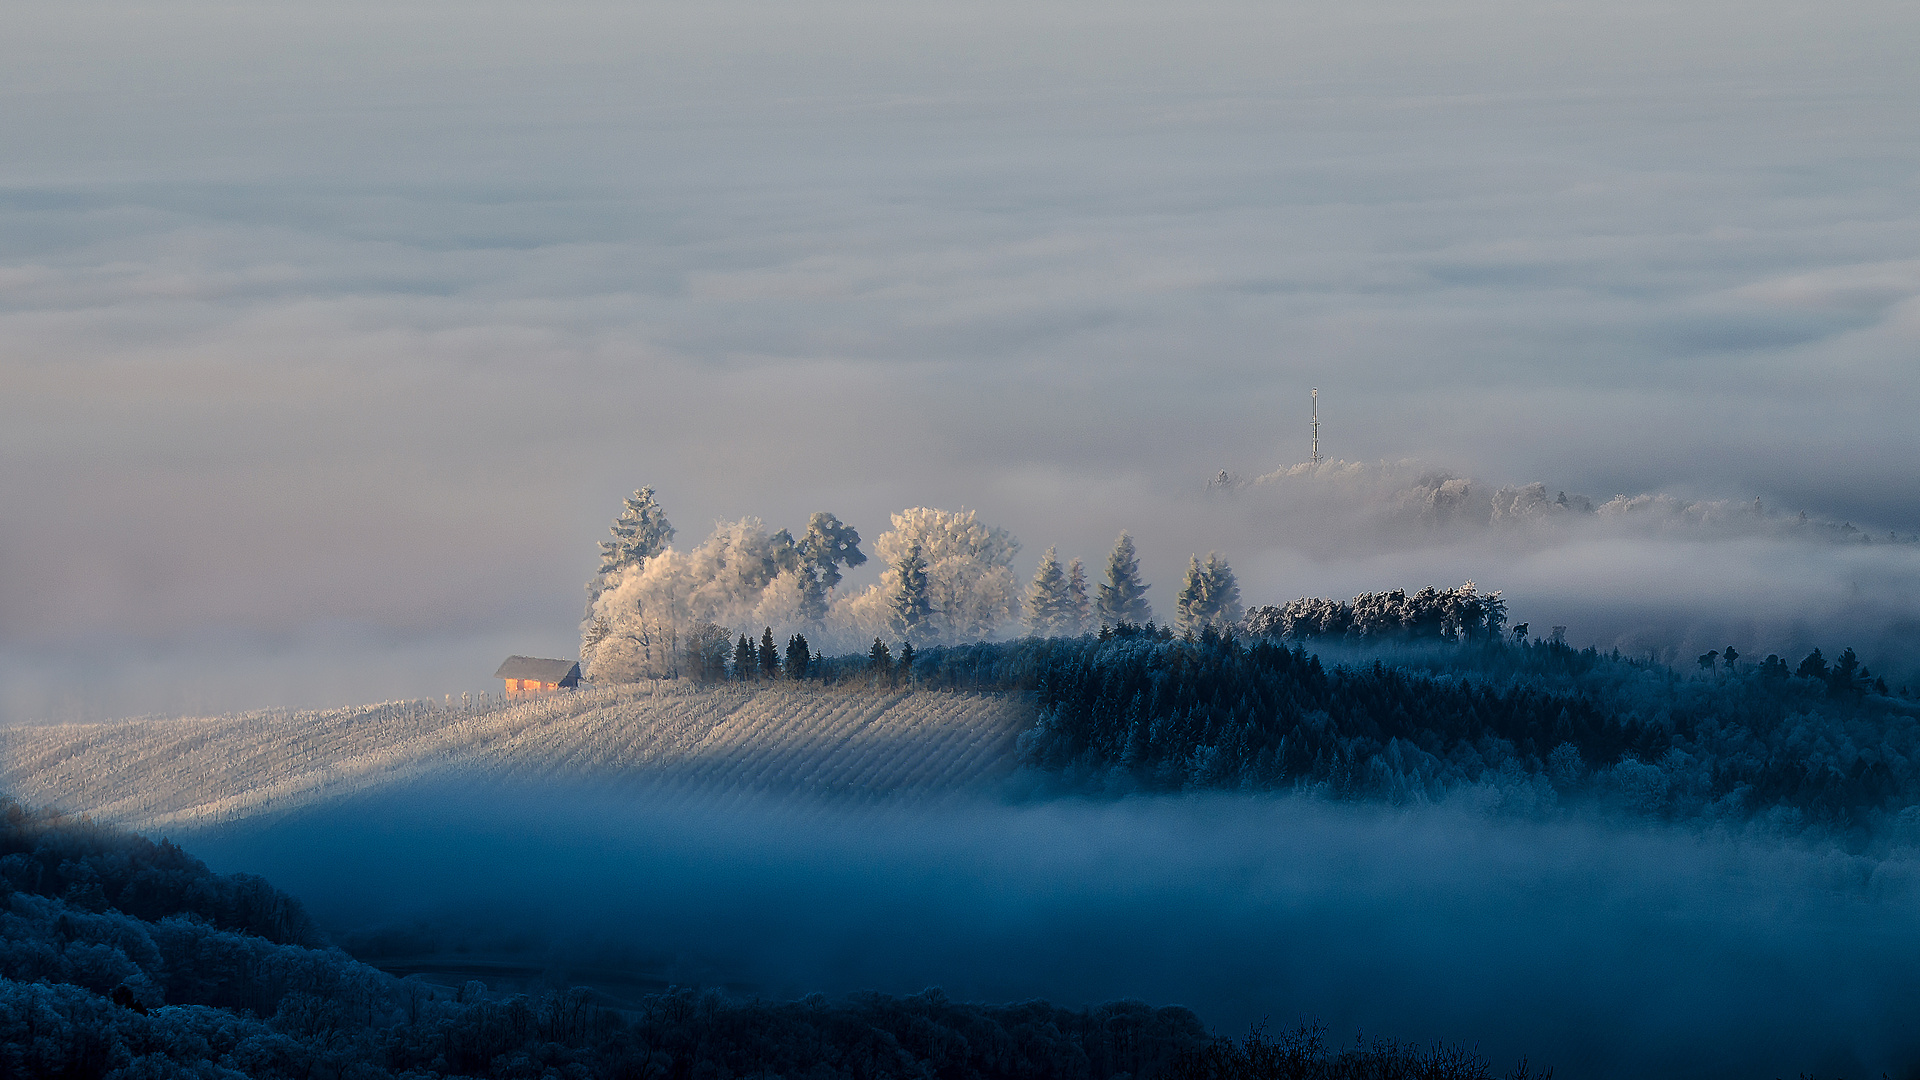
(1302, 1054)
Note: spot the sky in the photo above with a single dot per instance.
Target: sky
(331, 336)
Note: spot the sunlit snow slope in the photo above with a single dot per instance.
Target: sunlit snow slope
(153, 772)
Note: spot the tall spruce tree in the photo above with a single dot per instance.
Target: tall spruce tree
(1208, 597)
(1190, 603)
(769, 656)
(639, 533)
(1223, 592)
(744, 659)
(1079, 607)
(1048, 607)
(1122, 598)
(799, 657)
(909, 608)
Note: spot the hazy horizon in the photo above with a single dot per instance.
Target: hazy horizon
(333, 338)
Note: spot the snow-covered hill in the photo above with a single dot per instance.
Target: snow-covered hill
(152, 773)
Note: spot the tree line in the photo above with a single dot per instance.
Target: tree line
(1531, 723)
(657, 611)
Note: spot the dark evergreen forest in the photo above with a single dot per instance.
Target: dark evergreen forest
(1523, 724)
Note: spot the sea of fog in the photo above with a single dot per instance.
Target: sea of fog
(1605, 951)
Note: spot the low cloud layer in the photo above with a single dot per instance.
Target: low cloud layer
(1647, 573)
(357, 324)
(1604, 952)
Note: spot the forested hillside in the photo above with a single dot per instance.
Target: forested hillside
(1527, 724)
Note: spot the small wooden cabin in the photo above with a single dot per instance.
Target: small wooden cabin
(532, 675)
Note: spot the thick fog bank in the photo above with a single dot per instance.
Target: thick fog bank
(368, 315)
(1601, 951)
(210, 674)
(1650, 574)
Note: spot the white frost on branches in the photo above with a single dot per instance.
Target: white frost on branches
(1430, 614)
(1209, 597)
(970, 585)
(657, 616)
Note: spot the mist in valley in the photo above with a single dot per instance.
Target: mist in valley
(1602, 949)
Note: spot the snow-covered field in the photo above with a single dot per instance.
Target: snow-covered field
(148, 773)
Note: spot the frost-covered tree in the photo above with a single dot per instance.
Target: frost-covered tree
(908, 606)
(639, 533)
(1463, 613)
(1190, 603)
(971, 590)
(1079, 607)
(813, 602)
(813, 567)
(1048, 606)
(740, 576)
(733, 568)
(828, 545)
(635, 627)
(1122, 598)
(1209, 597)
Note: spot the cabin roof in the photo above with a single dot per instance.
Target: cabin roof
(533, 667)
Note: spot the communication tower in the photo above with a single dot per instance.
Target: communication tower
(1316, 425)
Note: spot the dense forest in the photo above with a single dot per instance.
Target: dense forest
(1523, 723)
(127, 959)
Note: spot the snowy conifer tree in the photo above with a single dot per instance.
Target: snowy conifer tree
(1190, 603)
(1223, 593)
(908, 606)
(1079, 608)
(1208, 597)
(1122, 597)
(639, 533)
(1048, 607)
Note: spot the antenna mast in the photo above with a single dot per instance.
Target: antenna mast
(1316, 425)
